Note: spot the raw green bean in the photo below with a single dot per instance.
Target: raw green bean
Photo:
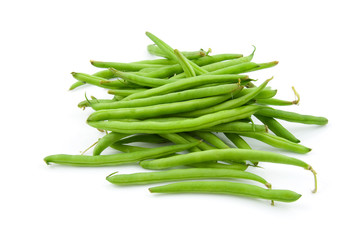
(98, 81)
(141, 80)
(237, 141)
(90, 103)
(182, 174)
(186, 84)
(106, 141)
(232, 154)
(125, 92)
(264, 65)
(170, 97)
(147, 138)
(275, 102)
(236, 127)
(186, 66)
(103, 74)
(157, 110)
(177, 139)
(292, 117)
(277, 141)
(177, 69)
(170, 52)
(174, 126)
(163, 61)
(230, 188)
(277, 128)
(126, 148)
(128, 67)
(116, 159)
(235, 69)
(203, 145)
(155, 50)
(236, 166)
(266, 93)
(212, 139)
(237, 102)
(221, 64)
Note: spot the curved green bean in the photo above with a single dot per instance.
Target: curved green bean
(182, 174)
(174, 126)
(231, 188)
(237, 141)
(187, 83)
(147, 138)
(236, 127)
(116, 159)
(106, 141)
(292, 117)
(168, 98)
(212, 139)
(277, 128)
(157, 110)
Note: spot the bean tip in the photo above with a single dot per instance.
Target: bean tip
(111, 174)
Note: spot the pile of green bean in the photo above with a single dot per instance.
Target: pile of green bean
(196, 102)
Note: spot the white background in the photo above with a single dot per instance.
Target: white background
(317, 44)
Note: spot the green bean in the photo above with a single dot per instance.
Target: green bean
(141, 80)
(292, 117)
(186, 84)
(177, 139)
(103, 74)
(174, 126)
(266, 93)
(170, 52)
(237, 141)
(230, 188)
(264, 65)
(203, 146)
(235, 69)
(237, 102)
(276, 141)
(212, 139)
(147, 138)
(236, 127)
(157, 110)
(274, 101)
(116, 159)
(168, 98)
(186, 66)
(277, 128)
(155, 50)
(89, 103)
(106, 141)
(232, 154)
(165, 72)
(163, 61)
(221, 64)
(125, 92)
(236, 166)
(98, 81)
(182, 174)
(126, 148)
(128, 67)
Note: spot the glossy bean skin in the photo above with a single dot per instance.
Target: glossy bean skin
(170, 97)
(106, 141)
(116, 159)
(292, 117)
(277, 141)
(90, 103)
(125, 92)
(264, 94)
(183, 174)
(186, 84)
(277, 128)
(98, 81)
(128, 67)
(237, 141)
(107, 74)
(236, 102)
(141, 80)
(203, 146)
(126, 148)
(231, 188)
(275, 102)
(157, 110)
(174, 126)
(177, 139)
(235, 69)
(146, 138)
